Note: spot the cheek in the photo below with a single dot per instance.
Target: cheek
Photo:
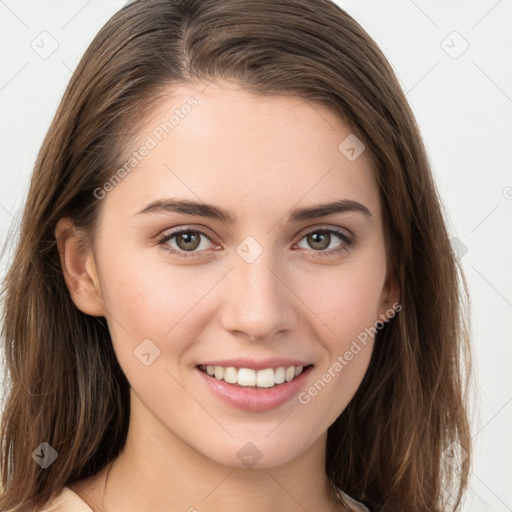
(348, 301)
(349, 307)
(154, 301)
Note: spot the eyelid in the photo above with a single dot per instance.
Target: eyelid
(325, 227)
(347, 237)
(169, 235)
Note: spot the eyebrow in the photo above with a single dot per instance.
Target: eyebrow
(211, 211)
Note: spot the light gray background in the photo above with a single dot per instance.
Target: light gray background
(462, 99)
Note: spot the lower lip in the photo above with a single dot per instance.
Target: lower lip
(255, 400)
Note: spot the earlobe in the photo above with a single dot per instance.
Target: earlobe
(79, 269)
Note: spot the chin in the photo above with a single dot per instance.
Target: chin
(258, 452)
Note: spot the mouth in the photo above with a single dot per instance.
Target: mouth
(254, 389)
(266, 378)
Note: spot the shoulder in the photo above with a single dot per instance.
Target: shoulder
(67, 501)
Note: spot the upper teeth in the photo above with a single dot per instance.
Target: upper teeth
(266, 378)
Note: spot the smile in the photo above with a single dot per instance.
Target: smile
(251, 378)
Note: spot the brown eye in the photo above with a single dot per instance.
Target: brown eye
(185, 241)
(188, 240)
(319, 240)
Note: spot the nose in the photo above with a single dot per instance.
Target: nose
(258, 301)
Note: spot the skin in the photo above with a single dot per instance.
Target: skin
(259, 157)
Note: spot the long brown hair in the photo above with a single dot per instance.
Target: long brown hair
(64, 384)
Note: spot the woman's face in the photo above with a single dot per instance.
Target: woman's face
(259, 278)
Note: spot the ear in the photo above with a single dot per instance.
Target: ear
(390, 297)
(79, 268)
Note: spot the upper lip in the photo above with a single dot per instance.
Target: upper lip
(274, 362)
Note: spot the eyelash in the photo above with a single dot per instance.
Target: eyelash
(348, 242)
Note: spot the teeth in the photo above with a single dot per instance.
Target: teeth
(248, 377)
(231, 375)
(265, 378)
(279, 375)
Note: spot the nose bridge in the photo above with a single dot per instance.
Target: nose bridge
(257, 303)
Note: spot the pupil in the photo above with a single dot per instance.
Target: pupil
(188, 239)
(324, 242)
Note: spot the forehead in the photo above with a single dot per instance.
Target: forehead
(222, 144)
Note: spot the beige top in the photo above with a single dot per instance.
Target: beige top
(356, 505)
(68, 501)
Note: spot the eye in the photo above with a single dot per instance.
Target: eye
(321, 239)
(186, 241)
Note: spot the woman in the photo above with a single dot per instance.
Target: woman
(234, 287)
